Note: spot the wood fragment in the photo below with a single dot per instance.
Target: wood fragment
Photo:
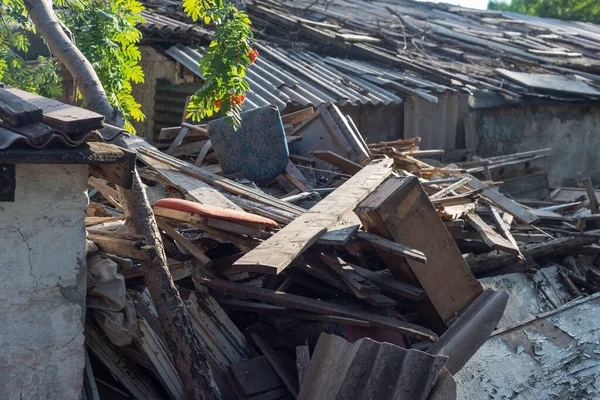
(205, 149)
(346, 270)
(348, 166)
(489, 262)
(450, 188)
(186, 244)
(16, 111)
(278, 365)
(178, 140)
(319, 307)
(503, 202)
(302, 362)
(275, 254)
(293, 174)
(392, 247)
(491, 237)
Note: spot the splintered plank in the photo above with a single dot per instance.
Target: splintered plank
(346, 270)
(489, 236)
(17, 111)
(393, 247)
(194, 188)
(320, 307)
(503, 202)
(275, 254)
(290, 381)
(348, 166)
(63, 117)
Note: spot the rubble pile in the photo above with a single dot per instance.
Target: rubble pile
(314, 265)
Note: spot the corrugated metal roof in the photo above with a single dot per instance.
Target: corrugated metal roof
(368, 370)
(165, 27)
(281, 77)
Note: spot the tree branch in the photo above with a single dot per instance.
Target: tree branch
(189, 358)
(49, 27)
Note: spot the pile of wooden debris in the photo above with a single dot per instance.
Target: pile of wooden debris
(381, 241)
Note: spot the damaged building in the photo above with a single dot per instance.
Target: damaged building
(408, 211)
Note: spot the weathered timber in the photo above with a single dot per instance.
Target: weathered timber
(348, 166)
(400, 210)
(392, 247)
(503, 202)
(275, 254)
(489, 236)
(319, 307)
(17, 111)
(278, 365)
(62, 117)
(483, 263)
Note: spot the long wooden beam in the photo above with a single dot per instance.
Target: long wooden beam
(275, 254)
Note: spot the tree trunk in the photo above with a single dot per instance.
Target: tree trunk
(190, 360)
(49, 27)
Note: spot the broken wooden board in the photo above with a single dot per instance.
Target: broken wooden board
(17, 111)
(400, 210)
(392, 247)
(195, 189)
(293, 174)
(503, 202)
(290, 381)
(275, 254)
(160, 358)
(348, 166)
(62, 117)
(186, 244)
(222, 342)
(261, 308)
(125, 371)
(255, 376)
(319, 307)
(212, 179)
(489, 236)
(386, 282)
(302, 362)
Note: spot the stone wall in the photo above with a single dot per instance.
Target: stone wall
(42, 283)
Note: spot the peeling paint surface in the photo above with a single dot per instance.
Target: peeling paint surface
(555, 357)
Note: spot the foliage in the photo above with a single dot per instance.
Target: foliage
(577, 10)
(104, 31)
(225, 61)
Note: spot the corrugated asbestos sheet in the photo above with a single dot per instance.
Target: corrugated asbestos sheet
(162, 27)
(280, 77)
(457, 47)
(368, 370)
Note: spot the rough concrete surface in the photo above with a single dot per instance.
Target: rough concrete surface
(42, 283)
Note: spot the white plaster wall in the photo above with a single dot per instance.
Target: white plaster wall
(42, 283)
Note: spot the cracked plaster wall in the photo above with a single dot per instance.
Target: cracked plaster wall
(42, 283)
